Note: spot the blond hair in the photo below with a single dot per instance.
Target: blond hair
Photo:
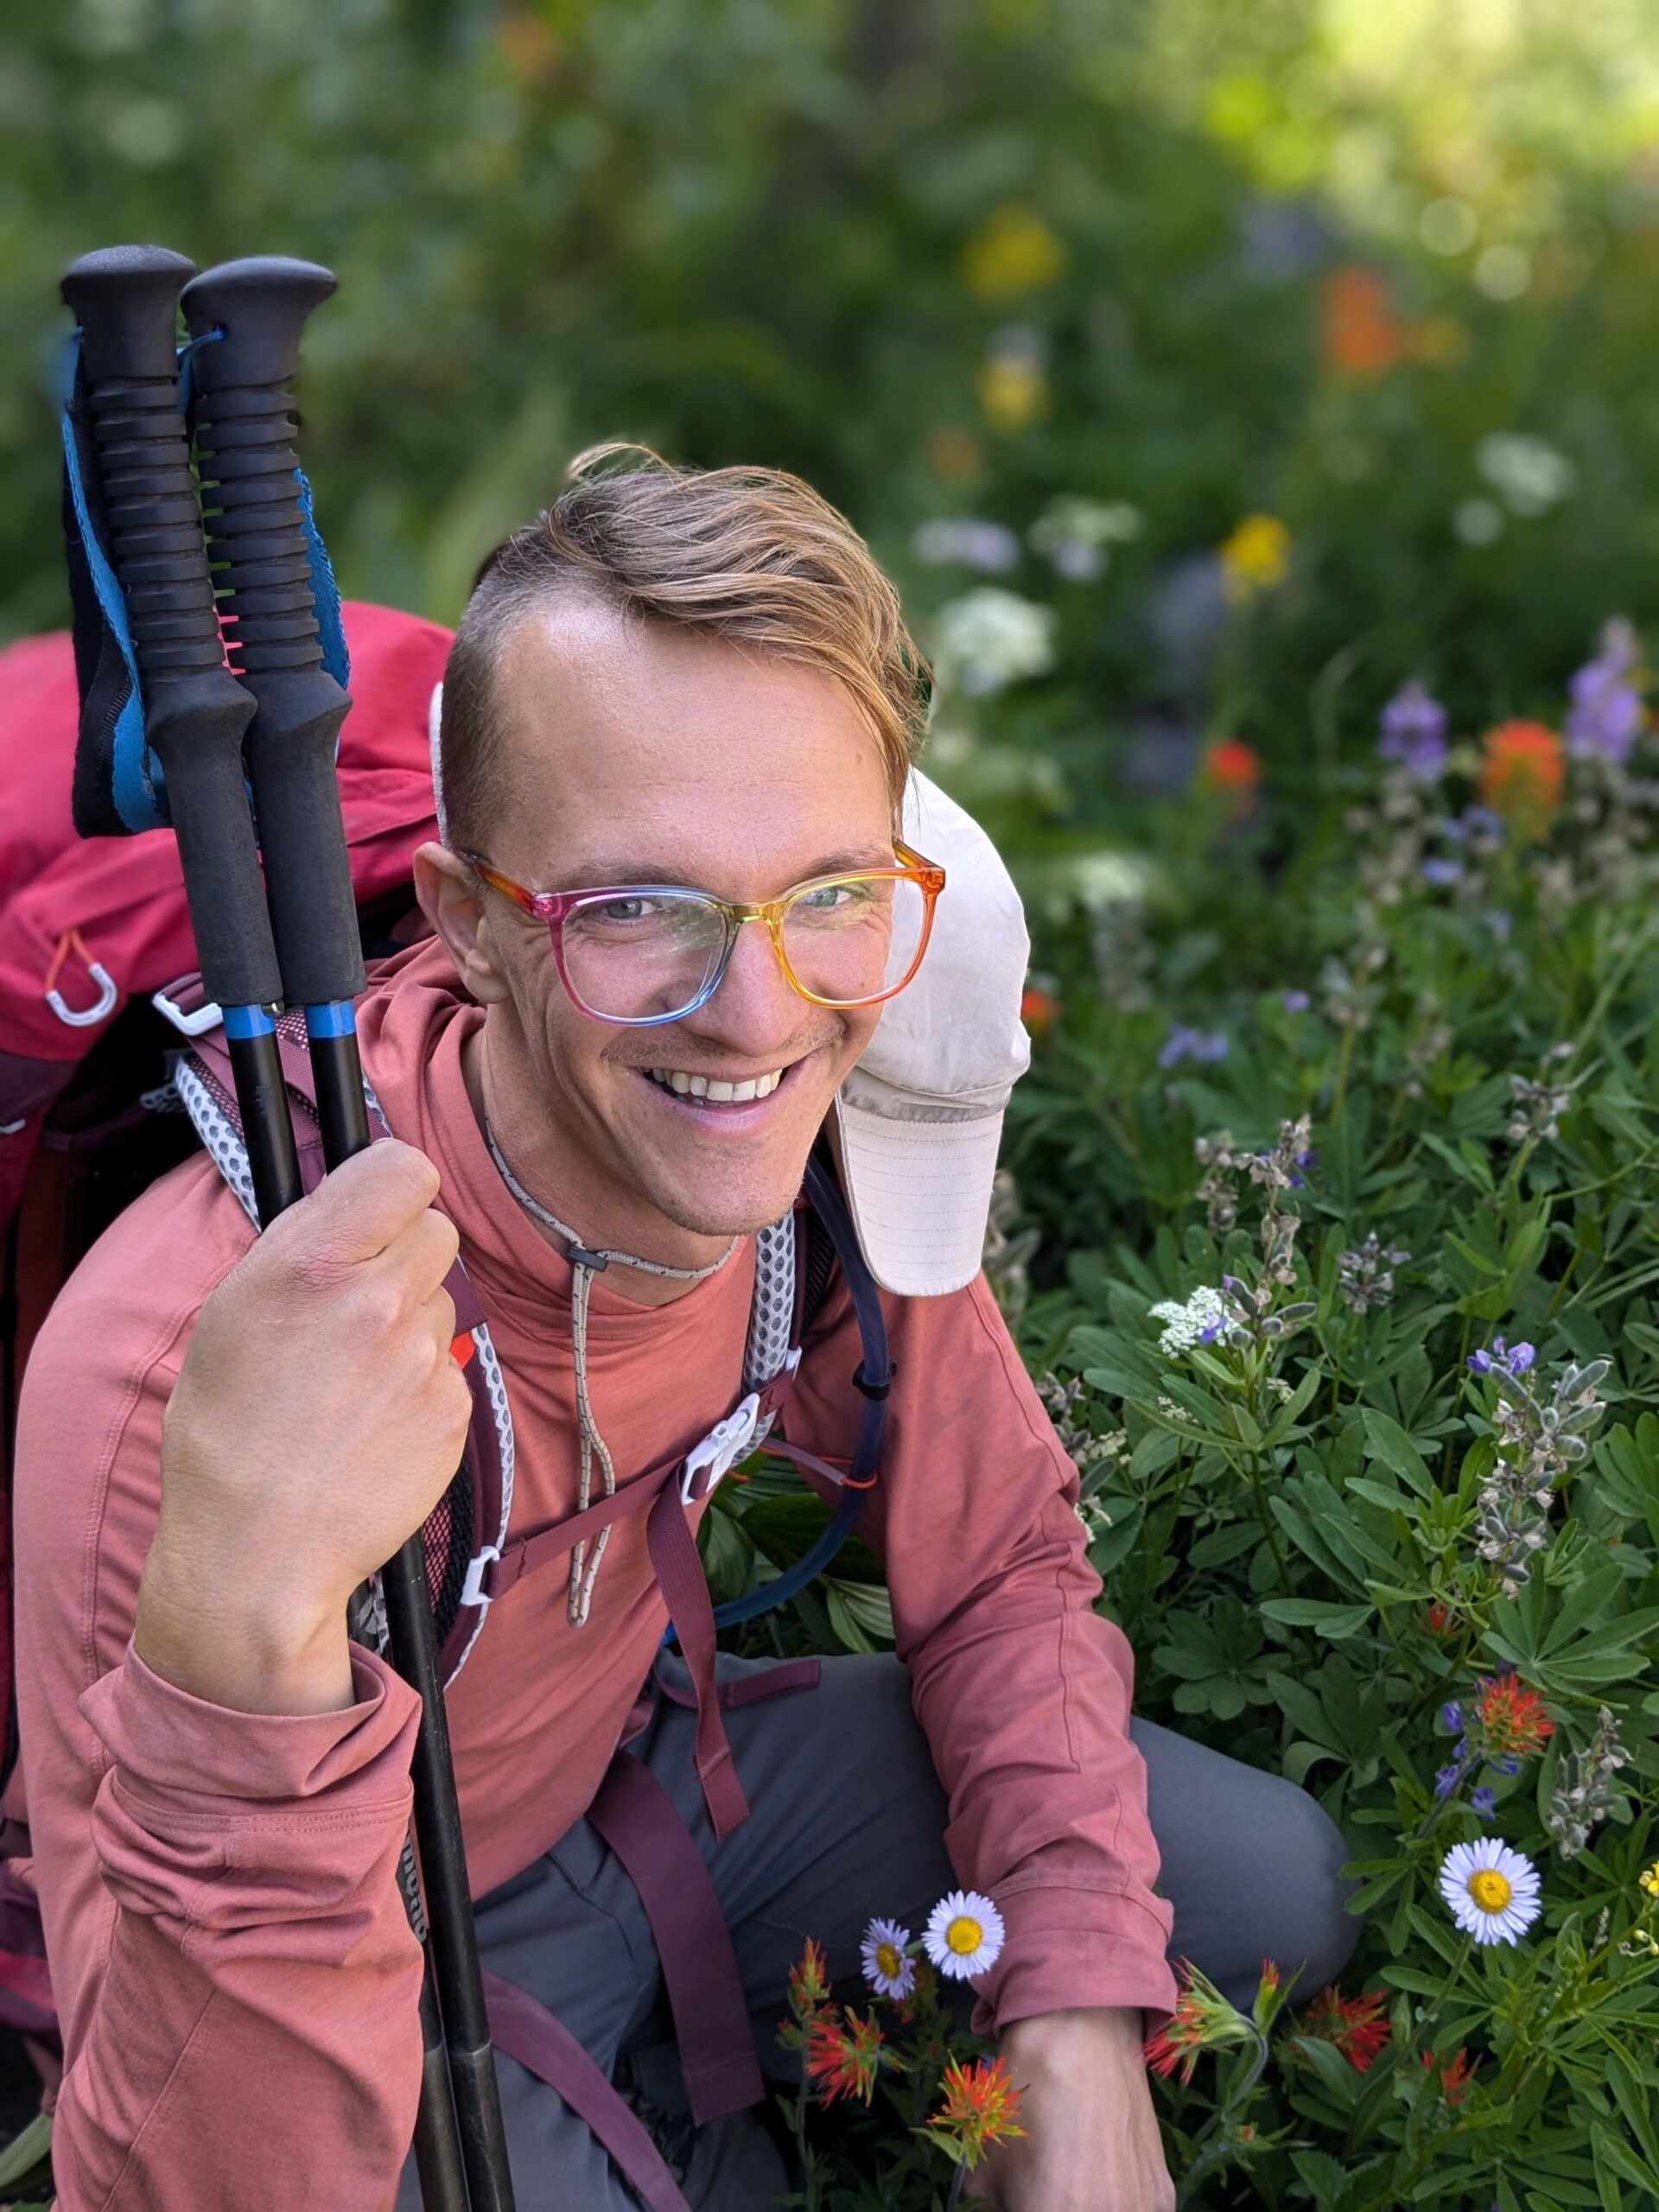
(754, 555)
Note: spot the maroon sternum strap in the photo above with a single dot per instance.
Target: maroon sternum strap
(665, 1493)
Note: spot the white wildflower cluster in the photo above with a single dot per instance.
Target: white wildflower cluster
(1076, 535)
(1365, 1276)
(989, 639)
(1089, 1453)
(1536, 1107)
(1538, 1441)
(1200, 1320)
(1584, 1792)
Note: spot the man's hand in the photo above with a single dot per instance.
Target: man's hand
(316, 1420)
(1091, 2139)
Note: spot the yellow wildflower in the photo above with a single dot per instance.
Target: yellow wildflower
(1013, 251)
(1649, 1878)
(1255, 558)
(1013, 391)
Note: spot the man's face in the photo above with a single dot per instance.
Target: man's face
(642, 754)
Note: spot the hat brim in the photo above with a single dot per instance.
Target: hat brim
(920, 1192)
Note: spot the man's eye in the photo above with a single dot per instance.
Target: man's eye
(625, 910)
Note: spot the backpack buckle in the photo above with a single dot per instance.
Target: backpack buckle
(725, 1444)
(472, 1589)
(196, 1023)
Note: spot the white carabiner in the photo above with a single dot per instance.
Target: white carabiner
(107, 995)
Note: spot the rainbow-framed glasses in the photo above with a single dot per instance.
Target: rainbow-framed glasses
(641, 954)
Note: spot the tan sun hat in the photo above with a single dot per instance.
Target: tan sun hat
(920, 1119)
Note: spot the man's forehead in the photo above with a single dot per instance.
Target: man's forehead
(639, 753)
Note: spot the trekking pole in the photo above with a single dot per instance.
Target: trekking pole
(131, 488)
(246, 317)
(132, 470)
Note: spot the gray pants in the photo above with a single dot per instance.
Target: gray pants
(848, 1820)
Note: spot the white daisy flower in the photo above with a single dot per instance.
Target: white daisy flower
(1490, 1891)
(963, 1936)
(888, 1966)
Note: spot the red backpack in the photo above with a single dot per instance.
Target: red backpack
(91, 928)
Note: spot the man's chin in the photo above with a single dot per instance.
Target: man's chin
(726, 1197)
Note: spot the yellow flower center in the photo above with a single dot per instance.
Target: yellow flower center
(890, 1959)
(1490, 1890)
(963, 1936)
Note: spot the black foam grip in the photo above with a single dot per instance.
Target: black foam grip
(250, 316)
(125, 299)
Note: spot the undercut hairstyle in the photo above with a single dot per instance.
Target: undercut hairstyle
(754, 555)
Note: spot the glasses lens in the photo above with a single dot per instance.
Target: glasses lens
(855, 938)
(644, 956)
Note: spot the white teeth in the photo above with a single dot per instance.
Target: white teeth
(718, 1094)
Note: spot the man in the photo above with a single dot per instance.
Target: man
(672, 680)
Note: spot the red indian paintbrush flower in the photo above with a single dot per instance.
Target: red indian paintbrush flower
(1456, 2074)
(980, 2107)
(808, 1983)
(1352, 2025)
(1202, 2019)
(1513, 1717)
(1521, 772)
(1232, 767)
(842, 2060)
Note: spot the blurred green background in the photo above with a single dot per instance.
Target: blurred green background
(1110, 277)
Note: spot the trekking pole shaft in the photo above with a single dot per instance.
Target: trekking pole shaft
(261, 534)
(125, 300)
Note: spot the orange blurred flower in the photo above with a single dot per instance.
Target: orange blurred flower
(955, 453)
(809, 1982)
(1521, 772)
(1039, 1010)
(1361, 335)
(1230, 769)
(532, 48)
(1229, 764)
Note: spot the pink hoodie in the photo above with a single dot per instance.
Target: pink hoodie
(233, 1971)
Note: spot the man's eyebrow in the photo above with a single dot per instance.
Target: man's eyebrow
(603, 874)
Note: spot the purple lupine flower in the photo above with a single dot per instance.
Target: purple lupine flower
(1447, 1780)
(1521, 1359)
(1481, 822)
(1451, 1714)
(1606, 714)
(1212, 1330)
(1184, 1044)
(1479, 1362)
(1442, 872)
(1508, 1764)
(1483, 1801)
(1413, 727)
(1296, 1001)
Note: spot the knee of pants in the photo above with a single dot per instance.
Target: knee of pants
(1310, 1872)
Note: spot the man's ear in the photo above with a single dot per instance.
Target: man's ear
(448, 896)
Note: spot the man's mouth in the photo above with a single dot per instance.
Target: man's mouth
(715, 1091)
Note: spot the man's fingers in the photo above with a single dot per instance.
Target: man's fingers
(354, 1214)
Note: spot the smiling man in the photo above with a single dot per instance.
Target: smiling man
(680, 932)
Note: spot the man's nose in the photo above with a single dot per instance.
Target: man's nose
(754, 1006)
